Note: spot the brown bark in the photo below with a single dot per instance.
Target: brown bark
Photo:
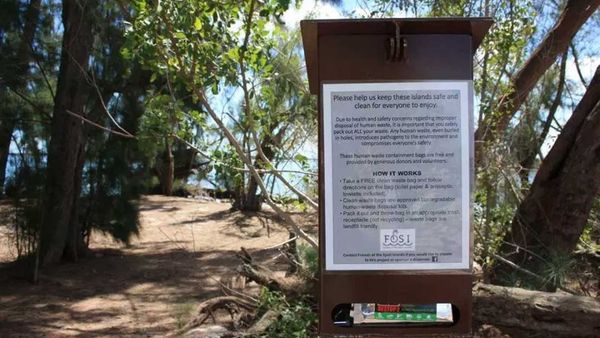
(290, 286)
(251, 201)
(167, 170)
(76, 244)
(207, 308)
(525, 313)
(552, 216)
(185, 161)
(262, 324)
(556, 42)
(65, 150)
(17, 81)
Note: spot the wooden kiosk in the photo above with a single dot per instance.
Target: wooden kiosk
(401, 90)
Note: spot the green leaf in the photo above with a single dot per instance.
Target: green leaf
(233, 53)
(301, 158)
(264, 13)
(172, 61)
(141, 5)
(198, 24)
(125, 53)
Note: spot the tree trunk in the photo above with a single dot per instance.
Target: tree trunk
(253, 201)
(556, 42)
(17, 81)
(76, 244)
(185, 162)
(65, 150)
(552, 216)
(166, 172)
(526, 313)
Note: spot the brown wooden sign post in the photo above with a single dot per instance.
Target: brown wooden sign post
(395, 159)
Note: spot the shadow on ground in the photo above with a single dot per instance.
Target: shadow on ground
(138, 290)
(115, 282)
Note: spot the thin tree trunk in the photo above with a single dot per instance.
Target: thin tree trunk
(65, 150)
(75, 246)
(253, 202)
(168, 170)
(552, 216)
(556, 42)
(533, 148)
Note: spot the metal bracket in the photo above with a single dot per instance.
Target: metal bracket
(396, 46)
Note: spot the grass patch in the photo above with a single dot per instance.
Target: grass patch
(183, 313)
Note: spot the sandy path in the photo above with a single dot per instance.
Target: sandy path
(145, 289)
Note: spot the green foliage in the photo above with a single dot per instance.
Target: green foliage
(199, 40)
(24, 188)
(282, 109)
(556, 270)
(114, 215)
(298, 204)
(309, 257)
(296, 317)
(25, 232)
(113, 181)
(115, 172)
(26, 101)
(493, 211)
(165, 118)
(217, 46)
(589, 242)
(225, 162)
(550, 271)
(504, 46)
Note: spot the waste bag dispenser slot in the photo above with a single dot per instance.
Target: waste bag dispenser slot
(395, 172)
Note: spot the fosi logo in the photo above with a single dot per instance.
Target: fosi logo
(397, 239)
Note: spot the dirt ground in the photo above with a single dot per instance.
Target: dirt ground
(148, 288)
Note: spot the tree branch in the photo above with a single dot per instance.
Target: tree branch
(304, 197)
(576, 59)
(555, 43)
(98, 125)
(92, 82)
(253, 171)
(31, 103)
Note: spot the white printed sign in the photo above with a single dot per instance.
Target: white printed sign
(397, 175)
